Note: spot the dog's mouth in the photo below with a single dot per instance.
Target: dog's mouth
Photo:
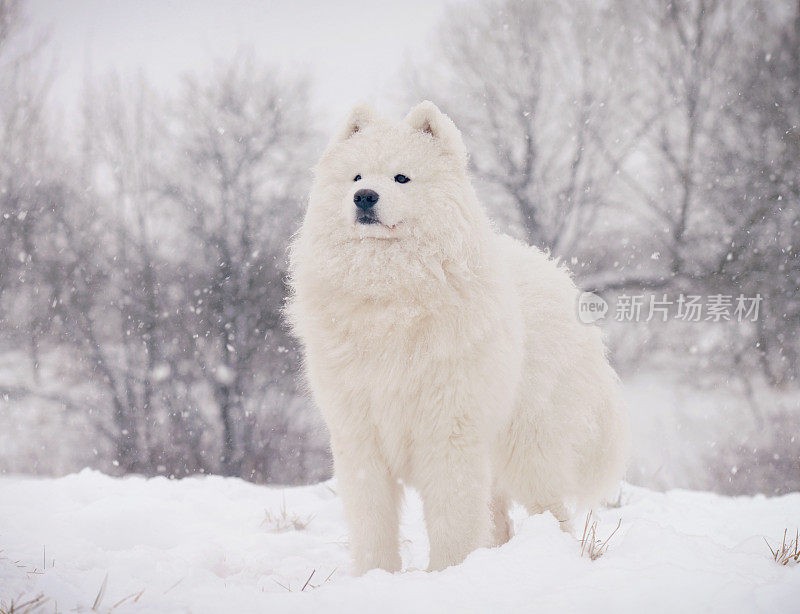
(368, 218)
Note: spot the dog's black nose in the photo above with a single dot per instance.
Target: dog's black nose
(365, 199)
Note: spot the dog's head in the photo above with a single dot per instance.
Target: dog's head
(388, 181)
(390, 197)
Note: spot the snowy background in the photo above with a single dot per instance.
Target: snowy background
(154, 162)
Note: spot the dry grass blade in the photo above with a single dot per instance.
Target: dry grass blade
(124, 599)
(591, 546)
(585, 536)
(288, 588)
(24, 607)
(788, 553)
(313, 571)
(604, 546)
(99, 599)
(285, 520)
(308, 584)
(173, 586)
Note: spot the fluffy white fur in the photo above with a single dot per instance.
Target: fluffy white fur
(443, 355)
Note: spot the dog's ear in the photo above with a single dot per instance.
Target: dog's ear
(427, 118)
(360, 117)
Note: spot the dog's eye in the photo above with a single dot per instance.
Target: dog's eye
(357, 178)
(401, 179)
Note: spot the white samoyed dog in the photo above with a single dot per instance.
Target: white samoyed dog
(442, 355)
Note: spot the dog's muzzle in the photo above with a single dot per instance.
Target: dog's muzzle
(365, 206)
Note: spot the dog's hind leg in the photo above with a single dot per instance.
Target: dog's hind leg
(502, 530)
(456, 498)
(559, 510)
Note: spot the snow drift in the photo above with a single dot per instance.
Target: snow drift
(217, 544)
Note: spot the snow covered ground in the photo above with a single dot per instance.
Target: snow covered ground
(207, 545)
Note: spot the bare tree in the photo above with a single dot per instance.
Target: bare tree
(245, 138)
(760, 189)
(28, 177)
(598, 125)
(122, 325)
(682, 68)
(531, 84)
(172, 271)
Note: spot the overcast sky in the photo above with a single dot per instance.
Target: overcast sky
(352, 50)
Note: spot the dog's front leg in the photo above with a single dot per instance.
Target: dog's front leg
(455, 488)
(371, 498)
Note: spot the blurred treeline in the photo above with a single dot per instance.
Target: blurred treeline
(655, 146)
(142, 264)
